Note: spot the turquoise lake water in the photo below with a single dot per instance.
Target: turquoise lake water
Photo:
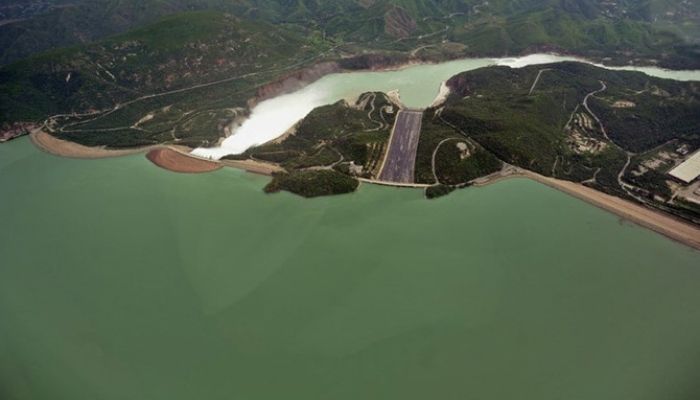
(119, 280)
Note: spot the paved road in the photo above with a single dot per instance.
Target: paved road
(401, 157)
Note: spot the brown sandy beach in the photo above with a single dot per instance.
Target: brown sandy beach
(173, 158)
(178, 160)
(253, 166)
(63, 148)
(170, 157)
(657, 221)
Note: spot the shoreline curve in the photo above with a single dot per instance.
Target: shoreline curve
(52, 145)
(173, 159)
(178, 161)
(655, 220)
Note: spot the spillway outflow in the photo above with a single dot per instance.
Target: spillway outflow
(268, 120)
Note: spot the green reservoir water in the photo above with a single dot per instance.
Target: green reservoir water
(419, 84)
(119, 280)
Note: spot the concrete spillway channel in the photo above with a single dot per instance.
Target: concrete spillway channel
(400, 160)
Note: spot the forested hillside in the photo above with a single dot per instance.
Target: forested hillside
(108, 88)
(28, 27)
(229, 48)
(620, 132)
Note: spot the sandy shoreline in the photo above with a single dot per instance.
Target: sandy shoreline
(178, 160)
(253, 166)
(657, 221)
(170, 157)
(52, 145)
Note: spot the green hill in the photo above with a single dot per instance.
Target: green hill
(143, 72)
(623, 140)
(513, 24)
(233, 47)
(620, 132)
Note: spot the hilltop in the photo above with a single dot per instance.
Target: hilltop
(619, 132)
(500, 26)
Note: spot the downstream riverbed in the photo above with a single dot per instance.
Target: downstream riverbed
(418, 86)
(119, 280)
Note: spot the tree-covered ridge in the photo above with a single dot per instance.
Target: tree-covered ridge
(619, 132)
(129, 90)
(509, 25)
(618, 97)
(253, 42)
(259, 41)
(582, 123)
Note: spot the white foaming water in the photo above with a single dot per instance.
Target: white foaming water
(268, 120)
(417, 84)
(534, 59)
